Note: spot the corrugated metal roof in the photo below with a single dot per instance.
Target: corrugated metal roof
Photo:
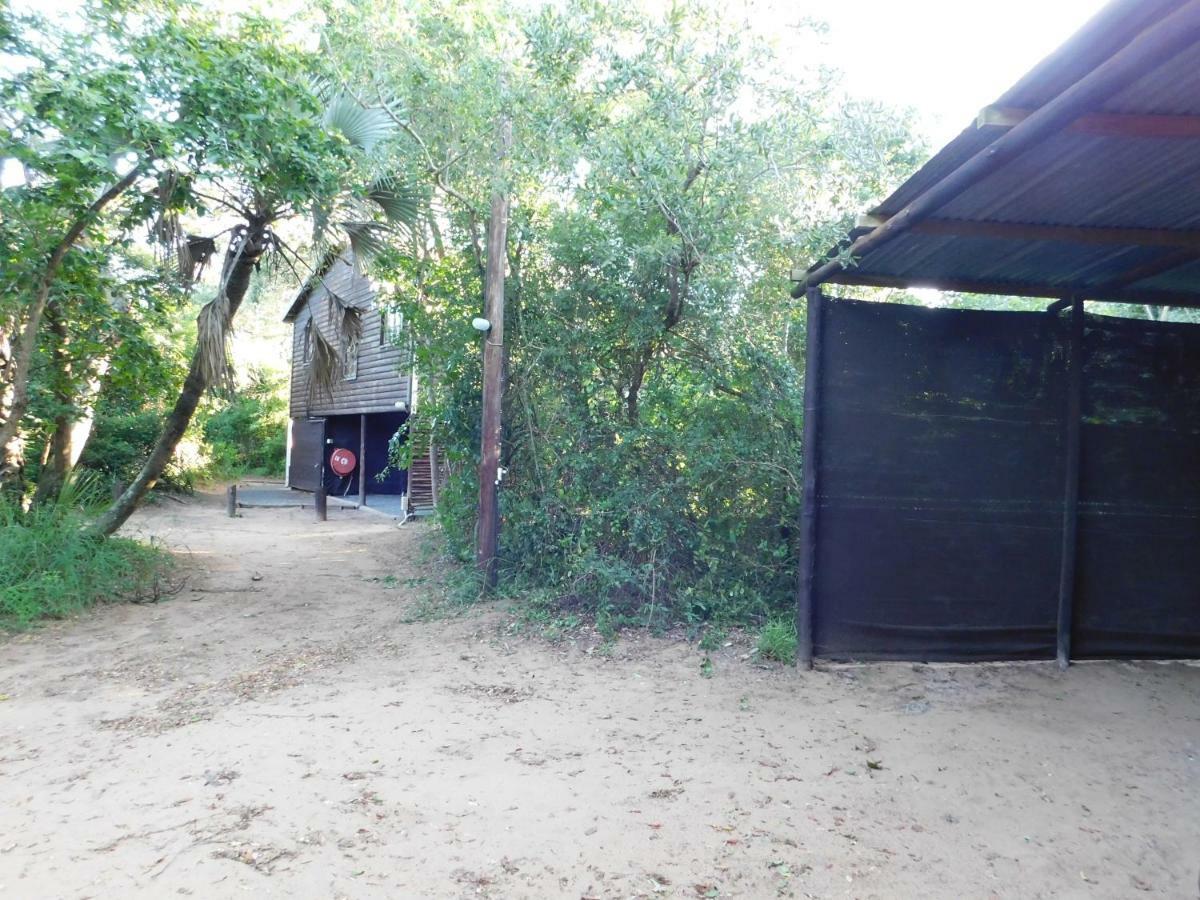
(1071, 179)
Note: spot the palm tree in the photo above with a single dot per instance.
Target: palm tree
(364, 216)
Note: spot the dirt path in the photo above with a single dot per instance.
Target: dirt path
(281, 729)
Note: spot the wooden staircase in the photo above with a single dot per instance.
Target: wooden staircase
(424, 472)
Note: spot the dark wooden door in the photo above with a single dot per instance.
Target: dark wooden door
(308, 448)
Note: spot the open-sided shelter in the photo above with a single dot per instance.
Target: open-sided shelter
(988, 485)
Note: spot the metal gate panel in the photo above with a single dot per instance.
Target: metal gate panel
(1138, 591)
(940, 490)
(951, 518)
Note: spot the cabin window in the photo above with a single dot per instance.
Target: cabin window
(350, 368)
(391, 327)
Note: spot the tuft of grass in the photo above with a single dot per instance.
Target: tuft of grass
(55, 566)
(778, 641)
(459, 588)
(714, 636)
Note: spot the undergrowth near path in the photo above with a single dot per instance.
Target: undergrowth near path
(53, 565)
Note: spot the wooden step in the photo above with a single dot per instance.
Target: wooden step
(421, 487)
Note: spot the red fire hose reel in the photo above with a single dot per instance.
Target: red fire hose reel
(342, 461)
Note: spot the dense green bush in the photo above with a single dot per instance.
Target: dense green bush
(122, 439)
(673, 165)
(54, 566)
(248, 433)
(684, 516)
(242, 434)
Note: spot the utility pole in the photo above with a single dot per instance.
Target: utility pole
(493, 364)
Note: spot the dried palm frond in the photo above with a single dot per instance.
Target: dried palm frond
(362, 126)
(324, 365)
(215, 321)
(212, 343)
(193, 256)
(165, 233)
(345, 318)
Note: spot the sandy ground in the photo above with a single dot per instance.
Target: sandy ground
(282, 728)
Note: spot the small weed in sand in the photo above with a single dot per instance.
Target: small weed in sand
(778, 641)
(541, 613)
(460, 588)
(713, 637)
(389, 582)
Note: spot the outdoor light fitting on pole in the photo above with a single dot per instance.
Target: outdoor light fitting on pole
(481, 324)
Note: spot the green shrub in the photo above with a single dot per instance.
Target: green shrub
(120, 442)
(248, 434)
(713, 637)
(778, 641)
(668, 521)
(53, 566)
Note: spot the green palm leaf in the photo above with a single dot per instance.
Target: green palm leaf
(367, 239)
(399, 201)
(362, 126)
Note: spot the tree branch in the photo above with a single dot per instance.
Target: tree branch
(22, 361)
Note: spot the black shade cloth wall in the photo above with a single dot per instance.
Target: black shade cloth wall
(941, 482)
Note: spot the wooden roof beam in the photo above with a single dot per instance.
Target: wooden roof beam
(1162, 41)
(1163, 264)
(1107, 293)
(1119, 125)
(1072, 234)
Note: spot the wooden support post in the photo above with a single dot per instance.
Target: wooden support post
(362, 460)
(1070, 527)
(493, 369)
(231, 501)
(319, 503)
(805, 599)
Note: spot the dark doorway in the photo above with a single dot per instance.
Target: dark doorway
(344, 432)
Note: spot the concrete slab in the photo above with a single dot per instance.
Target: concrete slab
(276, 495)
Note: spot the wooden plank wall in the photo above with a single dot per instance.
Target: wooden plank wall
(381, 381)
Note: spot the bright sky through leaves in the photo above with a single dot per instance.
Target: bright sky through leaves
(944, 58)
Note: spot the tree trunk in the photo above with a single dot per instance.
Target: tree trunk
(56, 456)
(70, 436)
(5, 376)
(56, 465)
(240, 261)
(12, 452)
(632, 395)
